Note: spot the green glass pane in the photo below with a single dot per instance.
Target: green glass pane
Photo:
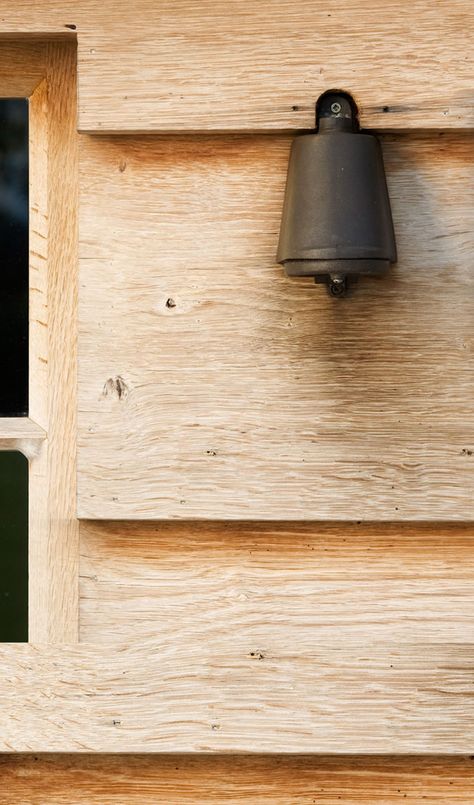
(13, 548)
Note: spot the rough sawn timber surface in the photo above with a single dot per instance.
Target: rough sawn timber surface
(246, 66)
(277, 583)
(211, 386)
(53, 527)
(233, 780)
(282, 591)
(224, 693)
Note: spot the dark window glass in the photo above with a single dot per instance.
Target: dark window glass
(13, 548)
(14, 257)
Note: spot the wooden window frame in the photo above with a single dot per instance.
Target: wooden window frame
(45, 73)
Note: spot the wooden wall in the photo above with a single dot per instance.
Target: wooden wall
(250, 396)
(349, 638)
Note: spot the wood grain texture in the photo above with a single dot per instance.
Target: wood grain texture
(283, 592)
(21, 433)
(253, 66)
(276, 584)
(46, 73)
(62, 547)
(239, 652)
(45, 20)
(22, 67)
(38, 169)
(175, 66)
(236, 780)
(211, 386)
(226, 693)
(53, 529)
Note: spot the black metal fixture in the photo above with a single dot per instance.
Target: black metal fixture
(337, 222)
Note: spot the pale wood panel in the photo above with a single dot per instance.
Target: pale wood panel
(184, 65)
(251, 65)
(211, 386)
(38, 251)
(145, 780)
(218, 691)
(61, 546)
(40, 570)
(23, 435)
(280, 593)
(53, 529)
(40, 20)
(276, 584)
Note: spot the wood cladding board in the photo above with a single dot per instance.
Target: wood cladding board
(251, 66)
(225, 694)
(211, 386)
(174, 66)
(236, 780)
(311, 606)
(276, 585)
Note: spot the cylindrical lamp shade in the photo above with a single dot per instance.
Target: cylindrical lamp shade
(337, 222)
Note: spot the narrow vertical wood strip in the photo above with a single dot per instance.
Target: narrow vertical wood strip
(62, 547)
(38, 234)
(38, 357)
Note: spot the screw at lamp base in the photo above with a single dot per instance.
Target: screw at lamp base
(337, 285)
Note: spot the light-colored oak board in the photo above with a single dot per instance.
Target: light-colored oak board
(32, 20)
(60, 544)
(234, 780)
(137, 476)
(175, 66)
(227, 694)
(38, 166)
(274, 583)
(21, 433)
(250, 66)
(14, 428)
(211, 386)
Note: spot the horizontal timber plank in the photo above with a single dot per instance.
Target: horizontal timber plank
(229, 694)
(234, 780)
(306, 599)
(213, 387)
(246, 66)
(276, 583)
(14, 428)
(261, 66)
(21, 433)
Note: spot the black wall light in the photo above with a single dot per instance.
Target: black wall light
(337, 222)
